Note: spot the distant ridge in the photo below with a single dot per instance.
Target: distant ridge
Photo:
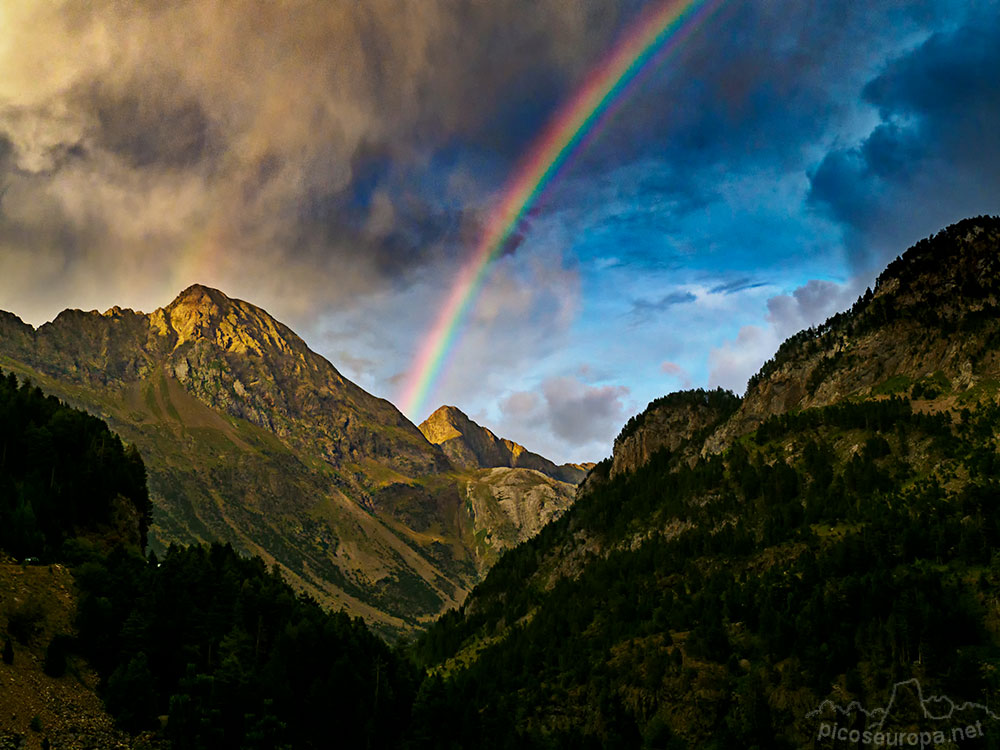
(472, 446)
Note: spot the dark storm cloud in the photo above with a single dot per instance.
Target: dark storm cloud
(298, 142)
(301, 139)
(933, 158)
(756, 84)
(145, 132)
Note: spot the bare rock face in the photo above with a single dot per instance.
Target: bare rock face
(511, 505)
(510, 493)
(668, 424)
(676, 424)
(236, 358)
(472, 446)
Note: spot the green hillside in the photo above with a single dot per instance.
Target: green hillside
(717, 594)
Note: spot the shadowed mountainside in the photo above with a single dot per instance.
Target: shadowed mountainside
(738, 563)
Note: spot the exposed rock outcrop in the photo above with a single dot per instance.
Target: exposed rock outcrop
(671, 424)
(472, 446)
(510, 505)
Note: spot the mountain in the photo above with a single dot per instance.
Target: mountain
(510, 493)
(253, 439)
(471, 446)
(738, 562)
(925, 328)
(104, 647)
(675, 422)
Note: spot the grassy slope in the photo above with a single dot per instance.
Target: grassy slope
(215, 477)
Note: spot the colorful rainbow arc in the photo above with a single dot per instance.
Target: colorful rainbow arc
(658, 31)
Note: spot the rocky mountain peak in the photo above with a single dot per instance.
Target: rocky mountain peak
(670, 423)
(960, 259)
(447, 423)
(926, 327)
(677, 423)
(200, 312)
(472, 446)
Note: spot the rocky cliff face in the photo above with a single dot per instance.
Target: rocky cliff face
(508, 506)
(472, 446)
(669, 424)
(677, 424)
(233, 357)
(930, 326)
(509, 492)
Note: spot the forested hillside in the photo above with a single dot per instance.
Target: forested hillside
(204, 649)
(715, 595)
(735, 575)
(63, 475)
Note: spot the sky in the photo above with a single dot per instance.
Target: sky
(336, 161)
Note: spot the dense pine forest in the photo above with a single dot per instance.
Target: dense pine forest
(63, 474)
(835, 535)
(819, 552)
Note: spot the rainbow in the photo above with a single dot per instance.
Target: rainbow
(658, 31)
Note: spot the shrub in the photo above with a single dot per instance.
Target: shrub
(25, 621)
(55, 655)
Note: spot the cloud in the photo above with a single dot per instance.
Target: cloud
(573, 419)
(644, 309)
(808, 305)
(295, 153)
(523, 406)
(732, 363)
(736, 285)
(581, 414)
(735, 361)
(335, 161)
(674, 370)
(932, 157)
(357, 368)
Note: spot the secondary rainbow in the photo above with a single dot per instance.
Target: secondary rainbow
(657, 32)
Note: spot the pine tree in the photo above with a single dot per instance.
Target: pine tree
(55, 656)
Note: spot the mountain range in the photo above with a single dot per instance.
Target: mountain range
(252, 438)
(757, 571)
(739, 561)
